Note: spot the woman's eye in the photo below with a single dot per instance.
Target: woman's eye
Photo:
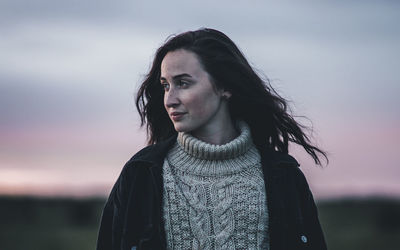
(165, 86)
(183, 84)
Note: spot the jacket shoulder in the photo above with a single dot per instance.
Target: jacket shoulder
(280, 159)
(142, 154)
(154, 153)
(133, 168)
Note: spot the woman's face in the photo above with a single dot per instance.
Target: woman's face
(192, 101)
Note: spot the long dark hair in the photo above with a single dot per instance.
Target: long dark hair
(253, 100)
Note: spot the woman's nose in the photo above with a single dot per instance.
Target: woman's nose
(171, 98)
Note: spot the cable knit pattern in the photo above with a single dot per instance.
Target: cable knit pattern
(214, 195)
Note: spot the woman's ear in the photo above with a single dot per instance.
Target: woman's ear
(226, 94)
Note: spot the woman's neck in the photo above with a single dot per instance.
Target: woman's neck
(219, 135)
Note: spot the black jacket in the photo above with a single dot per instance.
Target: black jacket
(132, 216)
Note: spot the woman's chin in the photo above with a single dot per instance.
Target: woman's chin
(182, 127)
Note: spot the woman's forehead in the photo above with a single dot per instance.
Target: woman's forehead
(180, 62)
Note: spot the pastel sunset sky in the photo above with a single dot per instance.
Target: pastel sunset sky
(69, 71)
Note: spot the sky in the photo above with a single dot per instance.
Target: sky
(69, 71)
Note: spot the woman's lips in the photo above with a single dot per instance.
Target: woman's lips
(176, 116)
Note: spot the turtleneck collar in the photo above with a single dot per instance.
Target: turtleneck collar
(194, 156)
(204, 150)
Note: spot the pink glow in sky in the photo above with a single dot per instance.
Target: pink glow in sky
(86, 161)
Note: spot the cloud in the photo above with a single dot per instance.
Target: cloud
(66, 73)
(25, 10)
(333, 20)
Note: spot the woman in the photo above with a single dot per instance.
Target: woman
(216, 173)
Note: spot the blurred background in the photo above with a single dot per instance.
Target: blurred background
(69, 71)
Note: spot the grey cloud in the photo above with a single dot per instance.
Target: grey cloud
(339, 20)
(65, 9)
(344, 25)
(27, 102)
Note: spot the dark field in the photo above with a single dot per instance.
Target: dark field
(44, 223)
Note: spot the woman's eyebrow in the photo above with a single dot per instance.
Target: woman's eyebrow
(176, 77)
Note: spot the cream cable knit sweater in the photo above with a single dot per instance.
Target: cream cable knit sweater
(214, 195)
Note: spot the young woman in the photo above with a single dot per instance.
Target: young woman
(216, 173)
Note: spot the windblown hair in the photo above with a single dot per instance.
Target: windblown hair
(253, 100)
